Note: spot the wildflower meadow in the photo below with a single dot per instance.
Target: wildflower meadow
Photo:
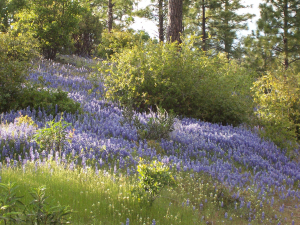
(98, 167)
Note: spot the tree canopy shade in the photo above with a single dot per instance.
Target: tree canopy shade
(51, 22)
(280, 19)
(88, 34)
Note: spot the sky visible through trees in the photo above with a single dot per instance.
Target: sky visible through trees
(150, 27)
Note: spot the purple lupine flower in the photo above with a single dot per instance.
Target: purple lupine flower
(249, 205)
(272, 201)
(127, 221)
(201, 206)
(226, 215)
(153, 222)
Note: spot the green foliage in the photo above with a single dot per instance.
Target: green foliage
(153, 178)
(276, 97)
(38, 211)
(88, 35)
(259, 53)
(116, 41)
(224, 24)
(51, 23)
(9, 202)
(280, 23)
(8, 9)
(54, 135)
(48, 100)
(25, 120)
(15, 54)
(186, 81)
(158, 126)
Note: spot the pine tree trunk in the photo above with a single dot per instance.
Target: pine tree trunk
(110, 15)
(203, 26)
(161, 20)
(227, 46)
(285, 34)
(174, 20)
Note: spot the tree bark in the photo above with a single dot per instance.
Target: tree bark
(174, 20)
(285, 34)
(161, 20)
(227, 46)
(203, 26)
(110, 15)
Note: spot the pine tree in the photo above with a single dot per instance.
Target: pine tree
(114, 14)
(280, 19)
(259, 54)
(196, 16)
(224, 24)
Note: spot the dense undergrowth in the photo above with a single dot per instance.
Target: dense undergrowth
(101, 167)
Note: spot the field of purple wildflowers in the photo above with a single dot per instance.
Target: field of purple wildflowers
(233, 158)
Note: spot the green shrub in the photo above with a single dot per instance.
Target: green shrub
(53, 136)
(48, 99)
(13, 211)
(185, 80)
(27, 120)
(276, 96)
(14, 62)
(153, 178)
(116, 41)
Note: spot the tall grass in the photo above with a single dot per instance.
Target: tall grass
(104, 197)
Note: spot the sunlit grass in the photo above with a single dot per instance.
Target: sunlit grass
(103, 197)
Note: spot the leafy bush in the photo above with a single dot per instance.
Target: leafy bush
(52, 101)
(276, 96)
(9, 202)
(88, 35)
(185, 80)
(116, 41)
(53, 136)
(25, 120)
(51, 28)
(153, 178)
(14, 62)
(38, 211)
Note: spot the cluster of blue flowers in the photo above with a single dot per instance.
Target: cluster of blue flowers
(235, 156)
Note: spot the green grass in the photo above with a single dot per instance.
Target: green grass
(107, 199)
